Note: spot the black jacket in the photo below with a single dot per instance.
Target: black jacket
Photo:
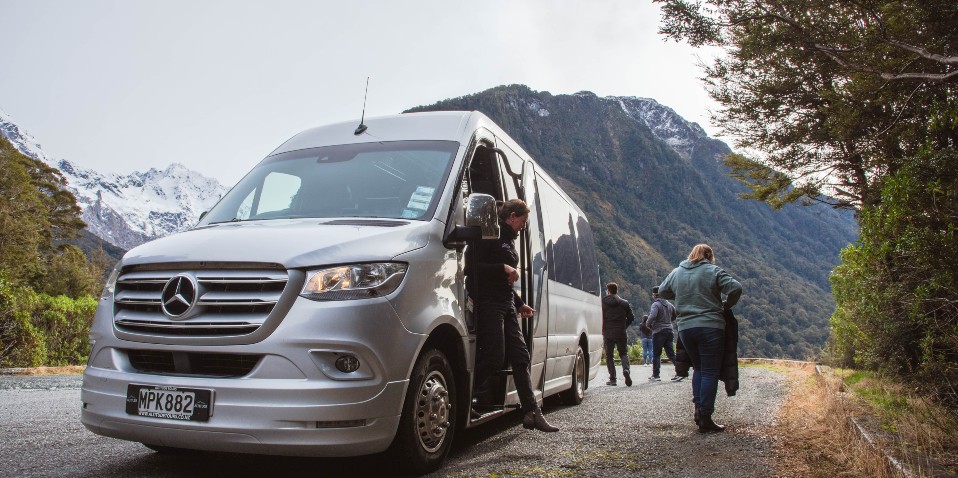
(729, 371)
(616, 316)
(486, 279)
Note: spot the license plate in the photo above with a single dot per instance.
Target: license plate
(168, 402)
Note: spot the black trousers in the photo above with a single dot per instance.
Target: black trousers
(499, 340)
(620, 343)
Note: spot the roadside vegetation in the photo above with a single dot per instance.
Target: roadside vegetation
(48, 288)
(845, 423)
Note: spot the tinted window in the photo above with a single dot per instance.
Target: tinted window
(587, 263)
(561, 242)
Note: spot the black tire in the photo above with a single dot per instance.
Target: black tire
(428, 420)
(576, 393)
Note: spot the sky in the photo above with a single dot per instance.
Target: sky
(120, 86)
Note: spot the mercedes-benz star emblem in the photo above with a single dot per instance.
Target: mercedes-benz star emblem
(179, 295)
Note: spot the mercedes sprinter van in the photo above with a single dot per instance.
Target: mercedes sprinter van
(319, 309)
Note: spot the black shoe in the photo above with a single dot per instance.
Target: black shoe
(611, 382)
(706, 425)
(535, 420)
(628, 379)
(697, 417)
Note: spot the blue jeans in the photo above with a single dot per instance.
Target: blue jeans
(662, 339)
(647, 350)
(705, 346)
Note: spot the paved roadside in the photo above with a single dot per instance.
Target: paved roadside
(643, 430)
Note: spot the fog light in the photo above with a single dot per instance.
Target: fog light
(347, 364)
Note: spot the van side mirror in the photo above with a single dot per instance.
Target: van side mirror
(481, 212)
(482, 220)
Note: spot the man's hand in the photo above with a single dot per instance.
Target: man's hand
(526, 311)
(511, 273)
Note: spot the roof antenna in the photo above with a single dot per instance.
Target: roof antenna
(362, 128)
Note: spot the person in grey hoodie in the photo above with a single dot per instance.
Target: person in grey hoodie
(616, 317)
(702, 291)
(660, 322)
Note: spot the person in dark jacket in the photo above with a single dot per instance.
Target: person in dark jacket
(698, 287)
(616, 317)
(490, 272)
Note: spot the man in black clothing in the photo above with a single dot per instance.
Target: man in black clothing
(616, 317)
(490, 272)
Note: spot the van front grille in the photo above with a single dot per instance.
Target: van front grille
(226, 302)
(192, 363)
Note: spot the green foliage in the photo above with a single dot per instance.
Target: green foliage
(65, 325)
(21, 344)
(37, 216)
(834, 95)
(46, 285)
(897, 290)
(43, 330)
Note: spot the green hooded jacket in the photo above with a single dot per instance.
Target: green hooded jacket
(697, 288)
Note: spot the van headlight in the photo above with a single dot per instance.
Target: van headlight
(110, 285)
(355, 281)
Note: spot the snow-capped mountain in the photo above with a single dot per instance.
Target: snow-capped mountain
(129, 210)
(664, 122)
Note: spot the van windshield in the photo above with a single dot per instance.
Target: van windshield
(400, 180)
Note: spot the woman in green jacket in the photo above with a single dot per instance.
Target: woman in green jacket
(701, 292)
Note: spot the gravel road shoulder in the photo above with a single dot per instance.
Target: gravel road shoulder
(643, 430)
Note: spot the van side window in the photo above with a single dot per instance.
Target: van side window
(484, 174)
(587, 263)
(513, 161)
(561, 243)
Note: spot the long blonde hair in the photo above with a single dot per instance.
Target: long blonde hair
(701, 251)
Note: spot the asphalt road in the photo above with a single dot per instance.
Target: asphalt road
(643, 430)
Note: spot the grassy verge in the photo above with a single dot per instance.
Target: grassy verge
(816, 437)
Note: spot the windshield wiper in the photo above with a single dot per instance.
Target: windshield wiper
(235, 219)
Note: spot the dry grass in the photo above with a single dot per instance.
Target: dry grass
(815, 437)
(67, 370)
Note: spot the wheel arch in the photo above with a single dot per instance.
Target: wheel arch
(447, 340)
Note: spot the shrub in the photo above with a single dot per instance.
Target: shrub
(43, 330)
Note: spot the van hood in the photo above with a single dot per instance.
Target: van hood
(292, 243)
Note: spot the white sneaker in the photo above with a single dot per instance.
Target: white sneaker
(655, 379)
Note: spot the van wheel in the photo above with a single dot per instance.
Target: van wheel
(428, 417)
(575, 393)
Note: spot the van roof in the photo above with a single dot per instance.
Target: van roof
(433, 126)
